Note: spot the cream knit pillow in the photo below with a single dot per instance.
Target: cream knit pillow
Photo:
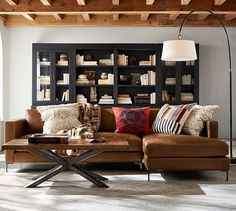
(195, 122)
(59, 117)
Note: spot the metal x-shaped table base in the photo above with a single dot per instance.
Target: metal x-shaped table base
(64, 165)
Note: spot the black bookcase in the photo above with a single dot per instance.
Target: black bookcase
(65, 73)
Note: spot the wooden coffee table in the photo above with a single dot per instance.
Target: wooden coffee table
(46, 151)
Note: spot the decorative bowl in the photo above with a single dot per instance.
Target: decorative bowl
(125, 79)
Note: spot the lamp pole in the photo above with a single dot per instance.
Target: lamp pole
(232, 159)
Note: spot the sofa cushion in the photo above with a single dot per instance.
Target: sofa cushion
(34, 122)
(135, 142)
(171, 119)
(132, 120)
(195, 122)
(167, 145)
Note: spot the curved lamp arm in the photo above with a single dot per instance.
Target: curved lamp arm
(222, 24)
(230, 68)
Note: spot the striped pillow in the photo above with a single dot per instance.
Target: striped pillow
(171, 119)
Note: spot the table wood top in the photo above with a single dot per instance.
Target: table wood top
(79, 144)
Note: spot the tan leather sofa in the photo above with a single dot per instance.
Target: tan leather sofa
(158, 151)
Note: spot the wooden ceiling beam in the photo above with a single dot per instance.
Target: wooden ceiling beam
(115, 17)
(202, 17)
(58, 17)
(185, 2)
(230, 17)
(107, 21)
(86, 17)
(12, 2)
(46, 2)
(29, 17)
(81, 2)
(173, 16)
(150, 2)
(219, 2)
(144, 16)
(115, 2)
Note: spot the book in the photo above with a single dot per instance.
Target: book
(39, 138)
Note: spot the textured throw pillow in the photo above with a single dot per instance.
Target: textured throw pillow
(59, 117)
(133, 120)
(171, 119)
(195, 122)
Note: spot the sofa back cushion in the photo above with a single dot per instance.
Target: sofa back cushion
(108, 122)
(34, 122)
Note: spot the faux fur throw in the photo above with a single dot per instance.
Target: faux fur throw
(90, 119)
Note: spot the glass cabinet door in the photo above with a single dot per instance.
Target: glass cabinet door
(62, 76)
(43, 76)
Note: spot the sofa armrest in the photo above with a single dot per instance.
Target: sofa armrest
(14, 129)
(212, 129)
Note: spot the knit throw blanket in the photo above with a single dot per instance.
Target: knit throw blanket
(90, 119)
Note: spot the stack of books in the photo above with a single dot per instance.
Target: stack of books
(82, 81)
(142, 99)
(122, 59)
(148, 79)
(44, 79)
(170, 81)
(186, 79)
(81, 99)
(106, 99)
(107, 62)
(44, 63)
(62, 63)
(186, 96)
(124, 99)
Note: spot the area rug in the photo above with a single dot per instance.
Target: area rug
(128, 190)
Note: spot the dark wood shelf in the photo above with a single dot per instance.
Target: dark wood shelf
(136, 66)
(137, 86)
(95, 66)
(96, 85)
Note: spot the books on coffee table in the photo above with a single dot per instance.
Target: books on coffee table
(39, 138)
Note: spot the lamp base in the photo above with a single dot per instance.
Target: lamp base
(233, 160)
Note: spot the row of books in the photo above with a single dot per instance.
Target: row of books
(186, 96)
(145, 98)
(186, 79)
(151, 61)
(122, 59)
(80, 61)
(173, 63)
(148, 78)
(170, 81)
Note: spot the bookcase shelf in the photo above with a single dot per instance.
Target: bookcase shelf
(47, 58)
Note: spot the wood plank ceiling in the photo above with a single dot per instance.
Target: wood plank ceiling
(114, 12)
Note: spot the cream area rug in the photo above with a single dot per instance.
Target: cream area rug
(129, 190)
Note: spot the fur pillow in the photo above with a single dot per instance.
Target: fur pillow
(195, 122)
(59, 117)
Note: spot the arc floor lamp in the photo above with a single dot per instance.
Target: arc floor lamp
(184, 50)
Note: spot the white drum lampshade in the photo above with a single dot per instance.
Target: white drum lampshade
(179, 50)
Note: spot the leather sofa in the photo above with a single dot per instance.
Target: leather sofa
(159, 152)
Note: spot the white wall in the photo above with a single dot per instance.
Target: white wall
(214, 81)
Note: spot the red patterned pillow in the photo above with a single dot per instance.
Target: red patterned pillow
(133, 120)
